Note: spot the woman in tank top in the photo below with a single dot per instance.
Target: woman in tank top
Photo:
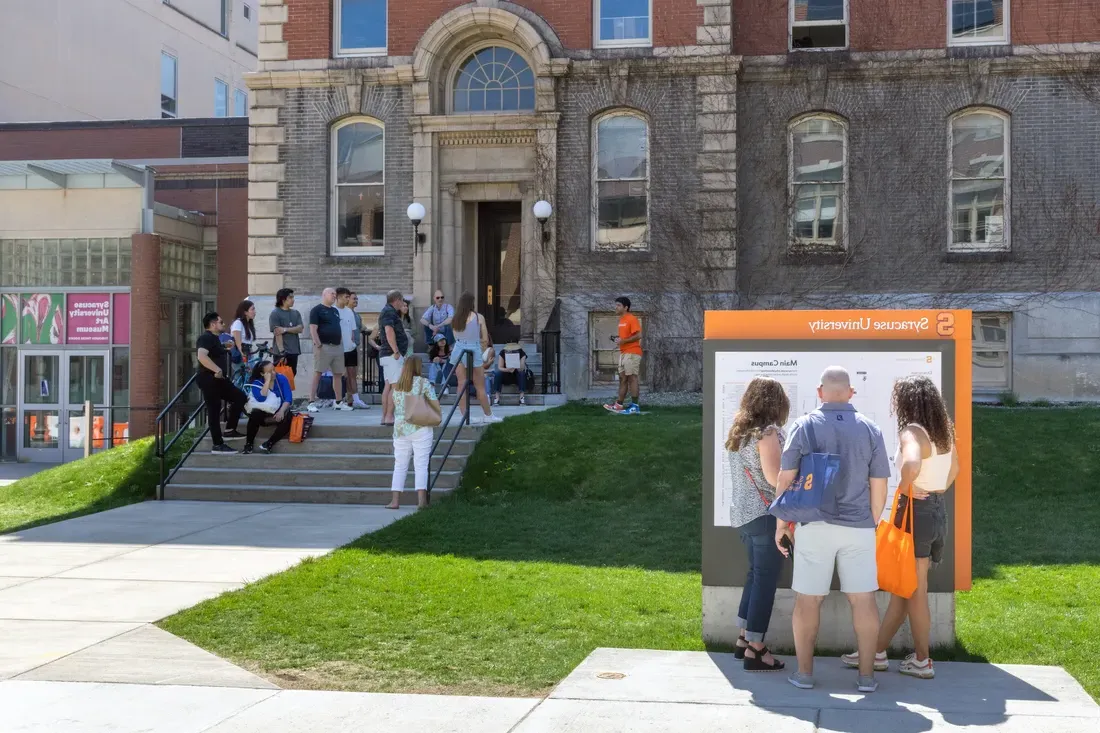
(470, 333)
(928, 463)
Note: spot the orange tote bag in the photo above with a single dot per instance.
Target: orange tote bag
(895, 552)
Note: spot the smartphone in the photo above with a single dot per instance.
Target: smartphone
(787, 544)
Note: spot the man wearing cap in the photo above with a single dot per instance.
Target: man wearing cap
(512, 367)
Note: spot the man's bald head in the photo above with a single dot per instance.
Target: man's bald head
(836, 385)
(328, 296)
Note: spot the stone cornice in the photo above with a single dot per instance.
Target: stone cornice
(486, 137)
(499, 124)
(920, 64)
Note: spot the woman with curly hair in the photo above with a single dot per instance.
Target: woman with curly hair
(755, 444)
(929, 464)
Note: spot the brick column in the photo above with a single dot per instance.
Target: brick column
(144, 333)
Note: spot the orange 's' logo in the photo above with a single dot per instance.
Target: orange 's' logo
(945, 324)
(809, 482)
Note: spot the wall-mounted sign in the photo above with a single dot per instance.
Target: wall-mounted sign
(89, 318)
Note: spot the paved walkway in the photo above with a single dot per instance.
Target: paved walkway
(12, 472)
(77, 597)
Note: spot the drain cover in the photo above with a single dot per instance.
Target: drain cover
(611, 675)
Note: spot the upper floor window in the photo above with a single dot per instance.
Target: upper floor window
(821, 24)
(240, 103)
(977, 22)
(247, 10)
(360, 27)
(979, 181)
(818, 148)
(359, 187)
(623, 22)
(494, 79)
(168, 101)
(221, 98)
(621, 185)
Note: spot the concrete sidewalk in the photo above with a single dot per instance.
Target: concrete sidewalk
(613, 691)
(77, 597)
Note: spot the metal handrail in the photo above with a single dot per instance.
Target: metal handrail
(464, 392)
(551, 347)
(161, 433)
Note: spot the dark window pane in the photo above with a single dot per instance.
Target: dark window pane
(819, 36)
(360, 215)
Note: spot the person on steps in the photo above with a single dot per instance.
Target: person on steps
(263, 382)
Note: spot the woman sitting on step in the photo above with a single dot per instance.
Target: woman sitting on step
(269, 399)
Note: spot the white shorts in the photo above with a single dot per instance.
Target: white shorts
(391, 368)
(819, 547)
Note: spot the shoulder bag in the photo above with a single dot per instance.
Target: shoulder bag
(895, 552)
(420, 410)
(803, 500)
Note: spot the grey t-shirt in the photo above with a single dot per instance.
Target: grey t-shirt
(287, 319)
(858, 441)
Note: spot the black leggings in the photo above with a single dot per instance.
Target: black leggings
(259, 418)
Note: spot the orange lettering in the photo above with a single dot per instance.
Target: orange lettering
(945, 324)
(809, 482)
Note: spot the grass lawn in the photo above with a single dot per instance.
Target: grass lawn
(574, 529)
(103, 481)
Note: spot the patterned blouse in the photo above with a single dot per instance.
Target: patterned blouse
(402, 429)
(745, 502)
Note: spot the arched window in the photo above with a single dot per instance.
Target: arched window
(818, 147)
(621, 181)
(358, 187)
(494, 79)
(979, 181)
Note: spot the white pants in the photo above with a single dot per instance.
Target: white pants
(419, 444)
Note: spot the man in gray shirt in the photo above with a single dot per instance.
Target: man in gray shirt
(845, 540)
(286, 324)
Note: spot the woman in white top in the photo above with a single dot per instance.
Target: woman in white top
(243, 329)
(928, 463)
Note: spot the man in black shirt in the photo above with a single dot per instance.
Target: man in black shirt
(328, 348)
(215, 385)
(395, 342)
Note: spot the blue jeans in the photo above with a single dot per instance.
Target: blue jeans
(447, 332)
(765, 562)
(519, 376)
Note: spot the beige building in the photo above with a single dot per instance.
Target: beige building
(64, 60)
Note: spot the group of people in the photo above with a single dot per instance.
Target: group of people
(765, 461)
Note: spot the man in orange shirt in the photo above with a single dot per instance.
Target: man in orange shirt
(630, 358)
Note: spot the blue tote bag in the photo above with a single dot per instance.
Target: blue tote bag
(812, 489)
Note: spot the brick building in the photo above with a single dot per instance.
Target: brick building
(697, 153)
(115, 238)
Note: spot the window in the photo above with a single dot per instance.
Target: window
(992, 351)
(247, 12)
(240, 103)
(623, 22)
(168, 102)
(64, 262)
(604, 362)
(976, 22)
(360, 27)
(819, 24)
(818, 181)
(979, 181)
(359, 189)
(621, 185)
(494, 79)
(221, 98)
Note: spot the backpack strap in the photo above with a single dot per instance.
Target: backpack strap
(811, 434)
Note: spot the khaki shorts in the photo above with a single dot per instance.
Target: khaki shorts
(391, 368)
(630, 364)
(819, 547)
(330, 357)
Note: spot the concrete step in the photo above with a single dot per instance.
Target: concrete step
(277, 464)
(295, 494)
(319, 478)
(344, 446)
(363, 430)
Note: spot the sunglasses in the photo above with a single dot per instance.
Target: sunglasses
(439, 297)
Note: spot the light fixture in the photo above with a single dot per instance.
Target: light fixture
(542, 211)
(416, 215)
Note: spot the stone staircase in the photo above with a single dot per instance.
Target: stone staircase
(350, 462)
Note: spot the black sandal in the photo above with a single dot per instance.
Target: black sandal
(739, 651)
(757, 663)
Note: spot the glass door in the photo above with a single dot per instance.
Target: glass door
(87, 380)
(40, 402)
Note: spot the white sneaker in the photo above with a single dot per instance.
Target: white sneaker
(342, 407)
(316, 406)
(496, 400)
(882, 663)
(358, 404)
(921, 670)
(487, 419)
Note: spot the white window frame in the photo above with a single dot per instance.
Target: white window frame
(1003, 41)
(1006, 237)
(335, 249)
(246, 11)
(595, 158)
(337, 21)
(980, 345)
(795, 242)
(622, 43)
(238, 93)
(456, 68)
(175, 85)
(220, 85)
(847, 22)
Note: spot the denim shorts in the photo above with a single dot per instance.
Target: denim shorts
(458, 355)
(929, 526)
